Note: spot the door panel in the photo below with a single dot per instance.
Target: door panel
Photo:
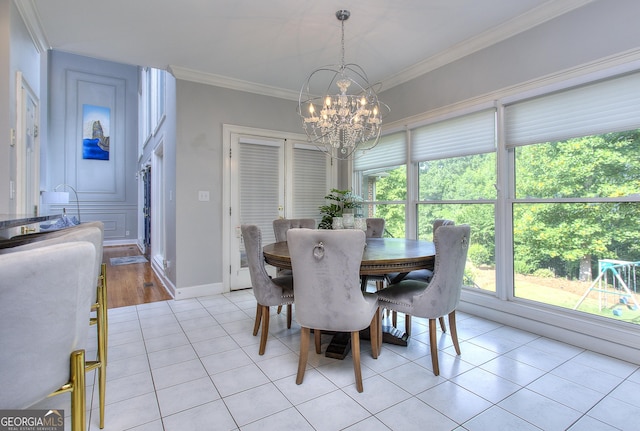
(257, 196)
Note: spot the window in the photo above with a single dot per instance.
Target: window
(456, 180)
(576, 176)
(381, 180)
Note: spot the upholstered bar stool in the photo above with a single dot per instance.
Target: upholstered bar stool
(92, 232)
(44, 307)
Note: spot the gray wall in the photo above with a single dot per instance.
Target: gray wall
(107, 189)
(593, 32)
(201, 112)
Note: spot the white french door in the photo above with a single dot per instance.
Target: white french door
(257, 195)
(28, 149)
(270, 175)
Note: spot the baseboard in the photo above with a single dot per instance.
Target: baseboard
(195, 291)
(108, 242)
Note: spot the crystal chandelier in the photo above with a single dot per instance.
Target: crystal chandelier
(345, 121)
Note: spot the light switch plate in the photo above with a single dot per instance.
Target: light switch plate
(203, 195)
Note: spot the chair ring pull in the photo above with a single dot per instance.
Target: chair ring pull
(318, 251)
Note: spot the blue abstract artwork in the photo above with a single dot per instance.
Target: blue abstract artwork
(96, 123)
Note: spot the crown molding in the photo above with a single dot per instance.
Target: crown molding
(231, 83)
(543, 13)
(31, 19)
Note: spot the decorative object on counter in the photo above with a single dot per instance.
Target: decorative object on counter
(61, 198)
(337, 223)
(347, 121)
(340, 200)
(360, 223)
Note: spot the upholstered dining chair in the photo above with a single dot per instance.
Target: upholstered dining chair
(375, 229)
(268, 291)
(92, 232)
(44, 307)
(439, 297)
(326, 276)
(420, 275)
(280, 228)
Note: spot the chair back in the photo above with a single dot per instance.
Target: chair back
(44, 309)
(375, 227)
(441, 222)
(264, 288)
(92, 232)
(326, 276)
(282, 225)
(442, 295)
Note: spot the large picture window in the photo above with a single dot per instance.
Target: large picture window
(576, 175)
(456, 161)
(381, 181)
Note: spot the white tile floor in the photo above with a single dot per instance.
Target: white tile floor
(193, 365)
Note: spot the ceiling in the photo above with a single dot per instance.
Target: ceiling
(270, 47)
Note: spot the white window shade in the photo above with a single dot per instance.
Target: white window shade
(390, 151)
(260, 185)
(310, 181)
(603, 107)
(460, 136)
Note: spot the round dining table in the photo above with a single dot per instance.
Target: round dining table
(381, 256)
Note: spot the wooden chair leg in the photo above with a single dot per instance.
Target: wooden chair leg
(374, 333)
(442, 325)
(289, 308)
(434, 347)
(304, 353)
(454, 331)
(317, 337)
(394, 318)
(265, 329)
(355, 352)
(407, 324)
(256, 325)
(279, 309)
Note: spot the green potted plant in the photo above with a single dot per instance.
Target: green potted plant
(339, 201)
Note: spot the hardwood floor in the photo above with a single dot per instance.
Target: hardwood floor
(131, 284)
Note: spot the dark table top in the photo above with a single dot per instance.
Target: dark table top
(381, 255)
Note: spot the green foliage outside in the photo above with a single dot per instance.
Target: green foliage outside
(551, 239)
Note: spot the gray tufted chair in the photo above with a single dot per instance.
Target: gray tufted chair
(268, 291)
(92, 232)
(420, 275)
(280, 228)
(326, 273)
(375, 227)
(282, 225)
(44, 307)
(439, 297)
